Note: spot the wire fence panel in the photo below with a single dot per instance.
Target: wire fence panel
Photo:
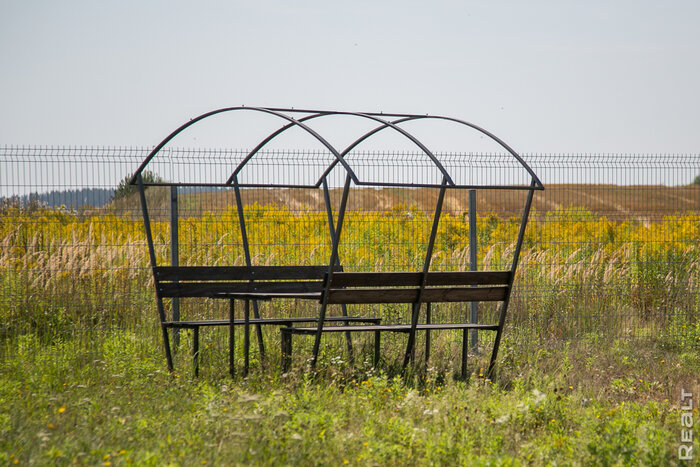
(612, 247)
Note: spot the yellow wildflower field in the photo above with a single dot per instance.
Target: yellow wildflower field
(92, 268)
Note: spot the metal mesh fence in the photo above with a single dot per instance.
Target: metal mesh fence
(612, 247)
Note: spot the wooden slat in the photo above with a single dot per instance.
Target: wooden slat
(392, 328)
(468, 278)
(375, 279)
(243, 273)
(270, 321)
(209, 289)
(356, 296)
(442, 294)
(413, 279)
(465, 294)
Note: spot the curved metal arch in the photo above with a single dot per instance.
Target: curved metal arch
(292, 121)
(498, 140)
(412, 138)
(357, 142)
(269, 138)
(339, 157)
(538, 183)
(372, 132)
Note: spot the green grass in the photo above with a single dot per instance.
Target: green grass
(589, 402)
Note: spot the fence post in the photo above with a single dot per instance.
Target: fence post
(174, 258)
(474, 306)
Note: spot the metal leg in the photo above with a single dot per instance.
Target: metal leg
(246, 337)
(348, 337)
(166, 343)
(258, 331)
(195, 350)
(465, 349)
(286, 340)
(166, 336)
(231, 335)
(494, 354)
(377, 344)
(410, 355)
(497, 340)
(427, 334)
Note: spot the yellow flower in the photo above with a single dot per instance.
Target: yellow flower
(61, 409)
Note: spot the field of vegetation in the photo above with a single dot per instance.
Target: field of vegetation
(590, 402)
(579, 272)
(82, 376)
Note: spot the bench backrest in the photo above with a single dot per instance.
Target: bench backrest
(208, 281)
(344, 288)
(404, 287)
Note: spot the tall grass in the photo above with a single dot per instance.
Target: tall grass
(578, 272)
(583, 403)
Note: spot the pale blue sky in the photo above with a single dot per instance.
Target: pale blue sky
(546, 76)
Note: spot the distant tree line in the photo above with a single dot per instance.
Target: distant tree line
(96, 197)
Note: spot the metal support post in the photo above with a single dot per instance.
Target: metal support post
(331, 266)
(410, 346)
(331, 228)
(473, 266)
(152, 257)
(174, 259)
(248, 262)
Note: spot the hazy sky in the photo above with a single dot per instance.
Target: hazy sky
(546, 76)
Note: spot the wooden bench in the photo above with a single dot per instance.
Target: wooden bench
(248, 283)
(405, 287)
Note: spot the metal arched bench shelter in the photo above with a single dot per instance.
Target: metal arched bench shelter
(329, 283)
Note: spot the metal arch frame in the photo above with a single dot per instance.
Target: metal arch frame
(335, 228)
(537, 185)
(260, 145)
(276, 112)
(340, 157)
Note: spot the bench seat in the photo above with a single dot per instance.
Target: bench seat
(377, 329)
(246, 283)
(390, 327)
(410, 287)
(267, 321)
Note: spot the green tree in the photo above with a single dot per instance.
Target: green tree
(697, 180)
(124, 189)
